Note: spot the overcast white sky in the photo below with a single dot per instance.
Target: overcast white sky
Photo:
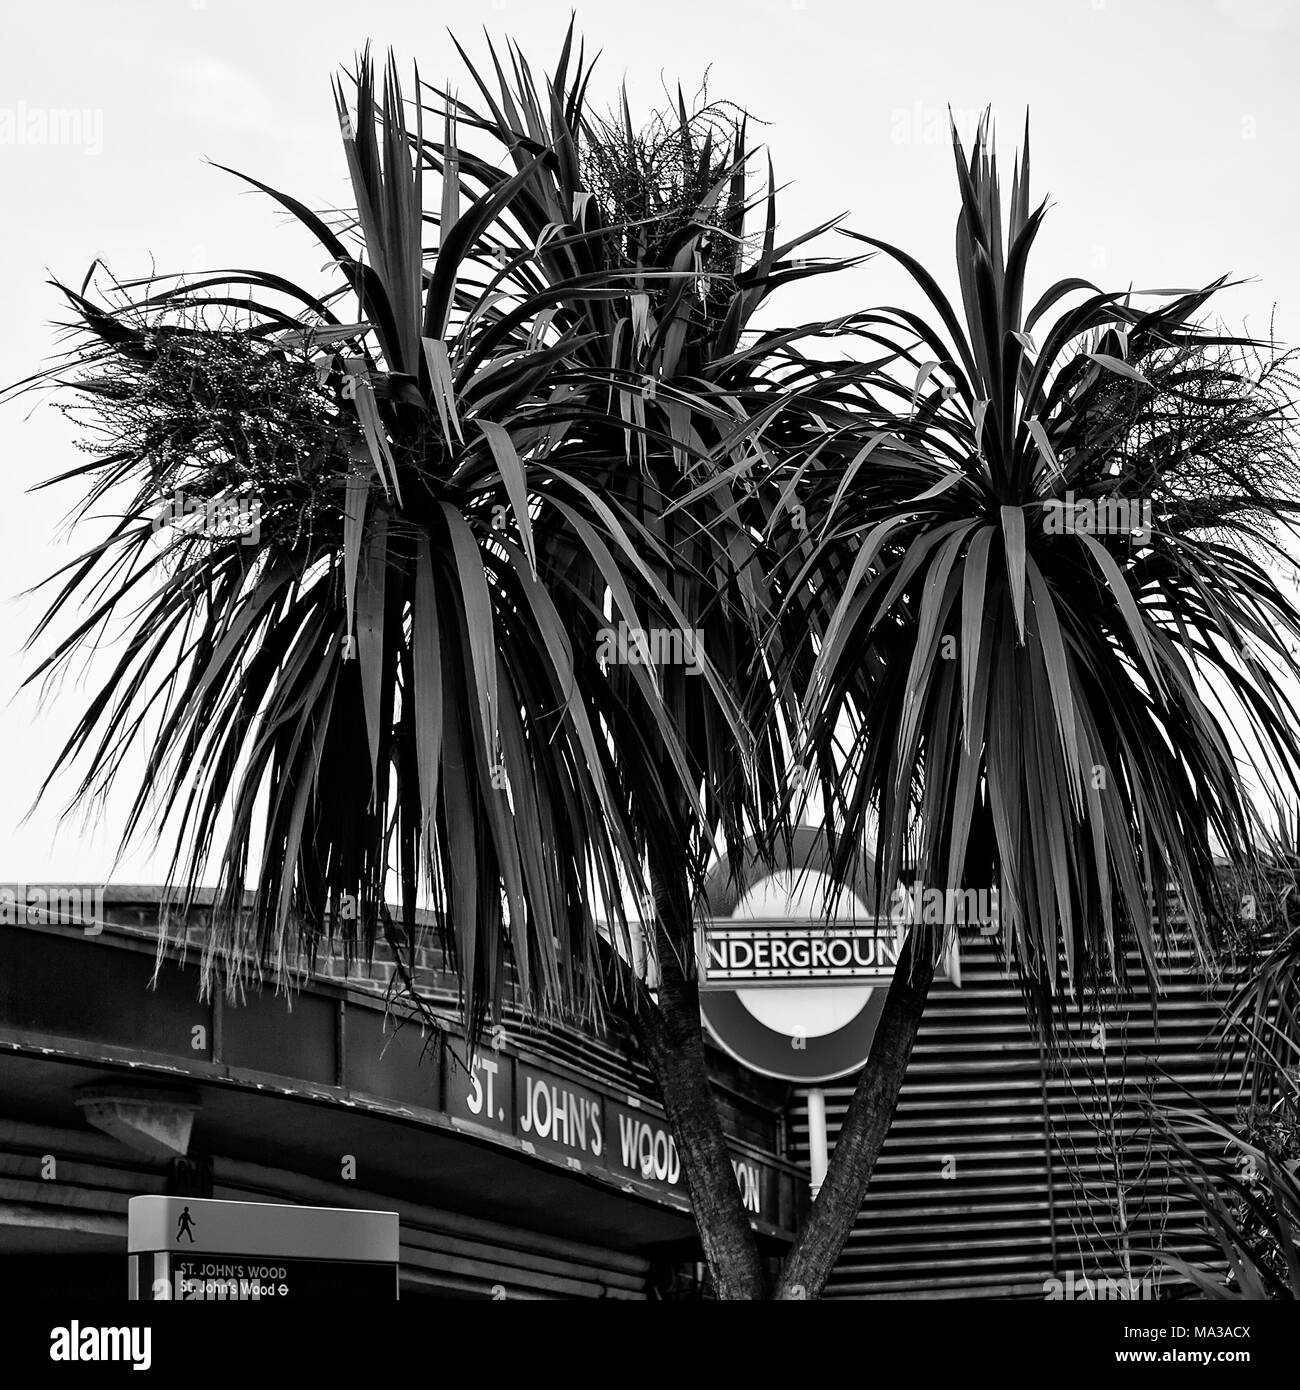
(1167, 133)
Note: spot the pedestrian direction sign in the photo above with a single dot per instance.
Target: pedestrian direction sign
(198, 1249)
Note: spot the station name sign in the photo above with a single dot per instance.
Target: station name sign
(752, 952)
(586, 1130)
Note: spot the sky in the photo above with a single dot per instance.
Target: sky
(1166, 134)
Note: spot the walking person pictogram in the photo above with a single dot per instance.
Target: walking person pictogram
(185, 1225)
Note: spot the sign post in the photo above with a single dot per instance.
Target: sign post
(193, 1248)
(818, 1144)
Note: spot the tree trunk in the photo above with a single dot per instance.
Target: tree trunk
(671, 1039)
(673, 1043)
(870, 1113)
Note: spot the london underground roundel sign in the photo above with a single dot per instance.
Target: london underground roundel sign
(830, 978)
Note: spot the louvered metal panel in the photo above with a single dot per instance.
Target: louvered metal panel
(1010, 1164)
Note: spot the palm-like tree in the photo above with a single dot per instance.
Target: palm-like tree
(470, 464)
(558, 419)
(401, 661)
(656, 221)
(1032, 703)
(1248, 1198)
(1262, 1019)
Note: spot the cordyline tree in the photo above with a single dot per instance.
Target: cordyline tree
(533, 409)
(1051, 650)
(372, 649)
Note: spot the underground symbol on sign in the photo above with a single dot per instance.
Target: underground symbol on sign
(185, 1225)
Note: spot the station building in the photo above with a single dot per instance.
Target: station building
(545, 1169)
